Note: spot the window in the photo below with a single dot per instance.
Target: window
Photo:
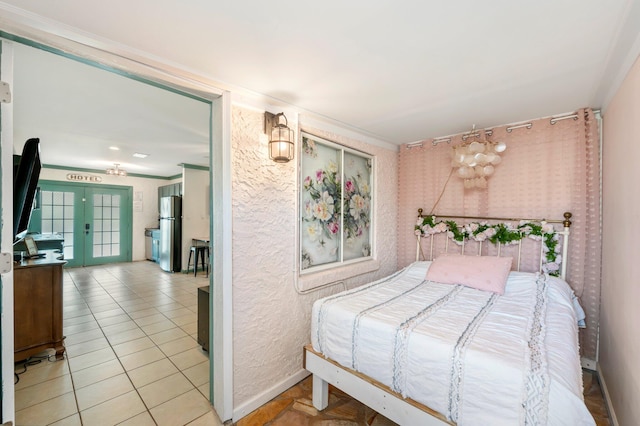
(336, 199)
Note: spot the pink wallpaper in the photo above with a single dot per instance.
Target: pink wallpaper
(545, 171)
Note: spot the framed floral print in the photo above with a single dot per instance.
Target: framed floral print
(335, 204)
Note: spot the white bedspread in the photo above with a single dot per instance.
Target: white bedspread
(476, 357)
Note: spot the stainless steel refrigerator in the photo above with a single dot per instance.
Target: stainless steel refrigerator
(171, 233)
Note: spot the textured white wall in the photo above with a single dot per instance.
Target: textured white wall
(619, 313)
(147, 218)
(271, 320)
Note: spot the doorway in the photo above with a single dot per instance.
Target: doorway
(94, 220)
(219, 143)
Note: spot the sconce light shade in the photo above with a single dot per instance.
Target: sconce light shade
(280, 137)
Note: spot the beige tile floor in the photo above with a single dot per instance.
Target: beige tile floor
(132, 356)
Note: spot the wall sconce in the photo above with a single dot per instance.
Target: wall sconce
(116, 171)
(280, 137)
(476, 160)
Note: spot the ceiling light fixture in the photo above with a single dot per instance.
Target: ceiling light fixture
(116, 171)
(114, 148)
(280, 137)
(475, 160)
(140, 155)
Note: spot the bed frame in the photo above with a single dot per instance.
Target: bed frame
(566, 223)
(380, 397)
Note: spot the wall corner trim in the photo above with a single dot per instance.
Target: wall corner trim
(607, 397)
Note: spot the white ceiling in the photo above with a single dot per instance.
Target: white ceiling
(81, 112)
(397, 71)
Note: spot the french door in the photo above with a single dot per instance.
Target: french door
(95, 220)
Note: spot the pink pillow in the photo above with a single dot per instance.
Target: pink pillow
(487, 273)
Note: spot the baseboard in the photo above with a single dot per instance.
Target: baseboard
(266, 396)
(607, 399)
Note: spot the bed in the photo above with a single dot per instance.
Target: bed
(422, 349)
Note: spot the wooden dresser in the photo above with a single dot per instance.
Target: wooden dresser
(37, 305)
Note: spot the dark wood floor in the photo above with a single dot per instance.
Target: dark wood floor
(594, 398)
(294, 408)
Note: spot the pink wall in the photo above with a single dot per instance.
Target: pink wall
(545, 171)
(620, 313)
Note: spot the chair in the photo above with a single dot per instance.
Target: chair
(202, 252)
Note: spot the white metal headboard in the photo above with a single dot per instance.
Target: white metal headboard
(566, 223)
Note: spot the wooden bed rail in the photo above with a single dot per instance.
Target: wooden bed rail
(404, 411)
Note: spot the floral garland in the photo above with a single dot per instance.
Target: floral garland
(503, 233)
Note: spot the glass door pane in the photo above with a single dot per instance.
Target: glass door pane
(61, 212)
(58, 217)
(107, 222)
(106, 225)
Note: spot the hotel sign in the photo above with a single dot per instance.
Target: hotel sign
(78, 177)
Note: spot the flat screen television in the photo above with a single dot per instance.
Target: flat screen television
(25, 183)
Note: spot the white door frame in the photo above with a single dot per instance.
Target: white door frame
(29, 27)
(6, 243)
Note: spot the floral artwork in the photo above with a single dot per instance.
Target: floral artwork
(357, 202)
(335, 198)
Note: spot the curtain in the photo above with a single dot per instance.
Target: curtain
(546, 170)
